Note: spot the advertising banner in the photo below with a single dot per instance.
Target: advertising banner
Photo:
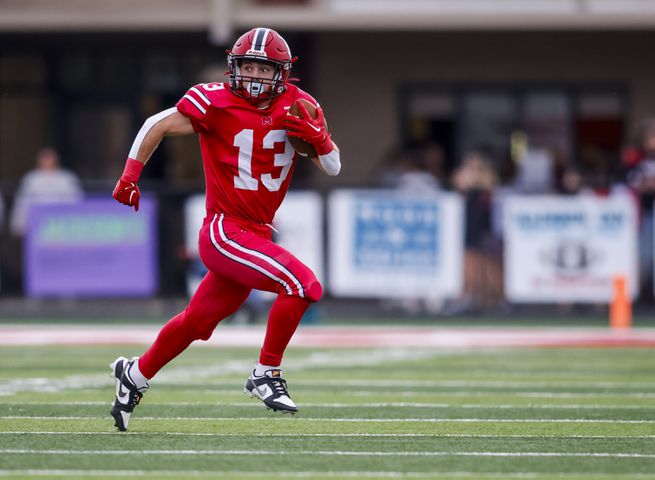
(569, 249)
(95, 248)
(386, 243)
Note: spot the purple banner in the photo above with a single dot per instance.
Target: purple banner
(95, 248)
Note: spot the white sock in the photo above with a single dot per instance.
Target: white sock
(136, 376)
(261, 369)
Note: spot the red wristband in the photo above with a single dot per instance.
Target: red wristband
(325, 147)
(132, 170)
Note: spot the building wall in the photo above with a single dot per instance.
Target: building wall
(357, 75)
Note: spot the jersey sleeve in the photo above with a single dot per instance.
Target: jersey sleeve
(196, 106)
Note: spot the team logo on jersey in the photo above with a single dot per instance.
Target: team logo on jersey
(267, 121)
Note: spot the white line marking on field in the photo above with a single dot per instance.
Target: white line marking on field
(490, 394)
(360, 420)
(180, 375)
(330, 435)
(585, 395)
(329, 453)
(365, 405)
(298, 474)
(578, 383)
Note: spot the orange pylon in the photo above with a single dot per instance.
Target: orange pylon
(621, 306)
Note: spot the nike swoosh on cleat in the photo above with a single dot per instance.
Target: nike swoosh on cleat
(264, 391)
(122, 396)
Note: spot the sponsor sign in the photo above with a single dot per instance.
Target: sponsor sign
(568, 248)
(95, 248)
(391, 244)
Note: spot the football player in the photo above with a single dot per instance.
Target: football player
(243, 127)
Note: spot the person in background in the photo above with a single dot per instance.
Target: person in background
(433, 159)
(47, 183)
(413, 170)
(639, 160)
(572, 182)
(476, 181)
(415, 177)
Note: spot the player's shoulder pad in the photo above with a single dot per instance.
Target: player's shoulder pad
(208, 95)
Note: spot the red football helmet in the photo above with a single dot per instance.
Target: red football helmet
(263, 45)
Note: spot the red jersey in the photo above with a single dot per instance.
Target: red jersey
(246, 154)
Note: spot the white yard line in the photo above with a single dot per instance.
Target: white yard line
(578, 383)
(215, 372)
(299, 474)
(327, 453)
(490, 394)
(180, 375)
(331, 435)
(467, 406)
(359, 420)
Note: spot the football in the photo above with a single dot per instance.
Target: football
(299, 145)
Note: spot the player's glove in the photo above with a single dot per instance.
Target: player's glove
(126, 191)
(311, 130)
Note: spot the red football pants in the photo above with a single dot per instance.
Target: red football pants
(240, 256)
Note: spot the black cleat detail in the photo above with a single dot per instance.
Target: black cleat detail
(271, 389)
(128, 395)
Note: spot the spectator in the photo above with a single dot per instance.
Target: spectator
(47, 183)
(572, 182)
(639, 160)
(535, 172)
(476, 180)
(433, 158)
(415, 177)
(411, 170)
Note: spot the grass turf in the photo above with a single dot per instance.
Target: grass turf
(407, 413)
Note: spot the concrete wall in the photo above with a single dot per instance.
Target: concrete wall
(358, 74)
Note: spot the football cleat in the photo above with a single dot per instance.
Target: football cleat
(271, 389)
(128, 395)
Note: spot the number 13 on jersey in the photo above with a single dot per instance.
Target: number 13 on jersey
(244, 142)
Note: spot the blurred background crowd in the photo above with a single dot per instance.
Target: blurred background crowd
(421, 96)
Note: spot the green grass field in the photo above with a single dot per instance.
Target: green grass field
(407, 413)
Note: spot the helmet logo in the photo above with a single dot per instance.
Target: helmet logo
(256, 53)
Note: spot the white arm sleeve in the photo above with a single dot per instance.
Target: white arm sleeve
(331, 162)
(147, 125)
